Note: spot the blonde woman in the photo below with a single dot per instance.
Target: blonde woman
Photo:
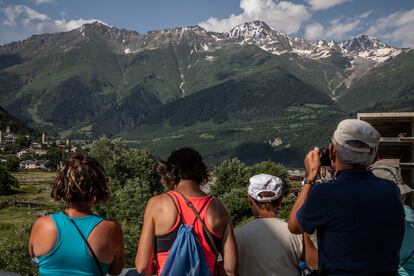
(76, 241)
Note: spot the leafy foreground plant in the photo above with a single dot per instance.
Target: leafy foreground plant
(6, 181)
(14, 254)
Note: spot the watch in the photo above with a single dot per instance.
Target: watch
(307, 181)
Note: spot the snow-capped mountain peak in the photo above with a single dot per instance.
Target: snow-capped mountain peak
(362, 43)
(368, 47)
(276, 42)
(256, 33)
(256, 30)
(262, 35)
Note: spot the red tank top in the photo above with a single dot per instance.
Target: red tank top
(164, 242)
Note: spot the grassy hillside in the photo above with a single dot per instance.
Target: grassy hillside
(15, 125)
(242, 118)
(254, 97)
(300, 129)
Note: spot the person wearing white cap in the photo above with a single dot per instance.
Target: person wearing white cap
(265, 245)
(359, 217)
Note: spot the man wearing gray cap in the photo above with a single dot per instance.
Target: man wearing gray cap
(359, 217)
(265, 245)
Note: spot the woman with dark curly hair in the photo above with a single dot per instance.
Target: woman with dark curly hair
(183, 173)
(76, 241)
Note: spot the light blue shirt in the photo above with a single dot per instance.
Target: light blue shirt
(70, 255)
(408, 244)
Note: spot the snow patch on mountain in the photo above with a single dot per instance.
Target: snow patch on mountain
(256, 33)
(275, 42)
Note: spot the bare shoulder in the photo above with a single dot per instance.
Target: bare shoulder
(44, 225)
(158, 202)
(111, 226)
(43, 236)
(219, 208)
(107, 228)
(157, 199)
(218, 216)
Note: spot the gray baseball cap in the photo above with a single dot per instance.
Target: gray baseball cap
(356, 130)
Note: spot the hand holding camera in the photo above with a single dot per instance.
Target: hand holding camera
(312, 164)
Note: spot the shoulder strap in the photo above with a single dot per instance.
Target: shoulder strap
(86, 241)
(189, 204)
(202, 208)
(177, 205)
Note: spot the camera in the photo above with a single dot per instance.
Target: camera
(324, 157)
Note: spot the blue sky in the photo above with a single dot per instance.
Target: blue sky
(389, 20)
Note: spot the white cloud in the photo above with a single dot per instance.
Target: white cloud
(13, 12)
(338, 29)
(39, 2)
(366, 14)
(282, 15)
(314, 31)
(397, 27)
(324, 4)
(63, 25)
(32, 20)
(341, 30)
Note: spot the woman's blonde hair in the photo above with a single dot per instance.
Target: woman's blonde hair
(81, 178)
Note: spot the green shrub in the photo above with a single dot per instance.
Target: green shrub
(12, 164)
(14, 254)
(236, 201)
(228, 174)
(6, 181)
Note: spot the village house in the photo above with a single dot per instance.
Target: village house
(34, 164)
(40, 152)
(22, 153)
(296, 175)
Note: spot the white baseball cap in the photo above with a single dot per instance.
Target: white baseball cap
(356, 130)
(265, 183)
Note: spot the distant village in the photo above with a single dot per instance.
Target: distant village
(34, 155)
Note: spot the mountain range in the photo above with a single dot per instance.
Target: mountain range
(227, 94)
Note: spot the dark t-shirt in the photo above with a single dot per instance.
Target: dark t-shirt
(360, 223)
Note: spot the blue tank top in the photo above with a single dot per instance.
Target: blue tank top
(70, 255)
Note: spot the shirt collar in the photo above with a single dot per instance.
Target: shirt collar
(351, 173)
